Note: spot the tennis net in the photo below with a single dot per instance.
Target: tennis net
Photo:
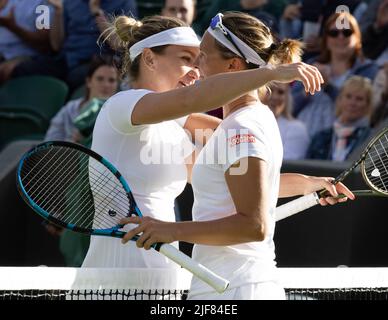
(45, 283)
(335, 283)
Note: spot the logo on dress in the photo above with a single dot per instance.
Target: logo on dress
(241, 138)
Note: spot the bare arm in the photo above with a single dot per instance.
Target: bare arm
(210, 93)
(39, 39)
(57, 30)
(200, 127)
(247, 225)
(294, 184)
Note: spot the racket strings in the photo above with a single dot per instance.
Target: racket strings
(56, 198)
(82, 202)
(57, 192)
(67, 174)
(376, 164)
(98, 182)
(60, 181)
(48, 178)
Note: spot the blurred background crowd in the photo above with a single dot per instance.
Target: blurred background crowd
(54, 80)
(347, 40)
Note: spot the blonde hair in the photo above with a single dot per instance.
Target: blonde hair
(260, 38)
(289, 103)
(358, 83)
(127, 31)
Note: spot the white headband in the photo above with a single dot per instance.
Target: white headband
(250, 55)
(181, 36)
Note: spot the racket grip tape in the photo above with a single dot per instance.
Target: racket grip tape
(295, 206)
(218, 283)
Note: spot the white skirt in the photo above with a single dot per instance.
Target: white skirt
(270, 290)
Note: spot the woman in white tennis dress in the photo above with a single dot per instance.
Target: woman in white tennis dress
(236, 178)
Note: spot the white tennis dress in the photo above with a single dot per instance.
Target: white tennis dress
(251, 269)
(143, 155)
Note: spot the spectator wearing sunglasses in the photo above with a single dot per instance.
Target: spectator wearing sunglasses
(341, 57)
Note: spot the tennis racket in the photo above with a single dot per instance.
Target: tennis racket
(75, 188)
(373, 163)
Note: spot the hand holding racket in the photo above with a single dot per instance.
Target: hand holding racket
(74, 187)
(374, 168)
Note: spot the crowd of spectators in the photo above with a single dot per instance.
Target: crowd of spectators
(347, 40)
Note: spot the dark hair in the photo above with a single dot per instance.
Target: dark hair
(96, 63)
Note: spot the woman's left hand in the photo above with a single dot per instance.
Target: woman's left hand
(333, 191)
(150, 231)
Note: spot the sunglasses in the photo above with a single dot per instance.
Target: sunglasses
(216, 23)
(334, 33)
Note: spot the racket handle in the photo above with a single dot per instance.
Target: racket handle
(197, 269)
(295, 206)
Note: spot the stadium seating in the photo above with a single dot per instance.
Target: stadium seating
(21, 124)
(26, 106)
(78, 93)
(41, 94)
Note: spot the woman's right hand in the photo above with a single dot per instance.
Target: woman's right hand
(307, 74)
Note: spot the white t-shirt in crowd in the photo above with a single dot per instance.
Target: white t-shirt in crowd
(295, 137)
(249, 132)
(151, 159)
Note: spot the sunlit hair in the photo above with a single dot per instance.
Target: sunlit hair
(359, 84)
(259, 38)
(325, 56)
(128, 31)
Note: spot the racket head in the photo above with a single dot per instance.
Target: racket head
(374, 166)
(75, 188)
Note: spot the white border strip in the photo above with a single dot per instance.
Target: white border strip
(326, 278)
(47, 278)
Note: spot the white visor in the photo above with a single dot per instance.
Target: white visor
(181, 36)
(250, 55)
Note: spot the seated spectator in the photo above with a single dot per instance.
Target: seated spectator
(20, 40)
(305, 19)
(181, 9)
(351, 128)
(75, 28)
(267, 11)
(379, 85)
(380, 113)
(375, 31)
(101, 83)
(293, 132)
(341, 57)
(318, 114)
